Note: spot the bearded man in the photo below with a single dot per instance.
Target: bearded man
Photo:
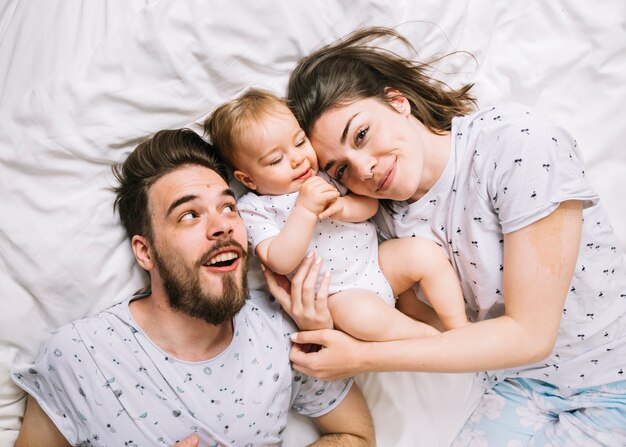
(191, 354)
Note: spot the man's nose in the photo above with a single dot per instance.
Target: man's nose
(219, 227)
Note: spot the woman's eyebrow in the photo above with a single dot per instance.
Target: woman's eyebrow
(342, 140)
(346, 129)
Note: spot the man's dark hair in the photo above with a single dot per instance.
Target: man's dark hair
(164, 152)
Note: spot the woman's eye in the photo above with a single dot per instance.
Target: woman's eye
(276, 161)
(361, 134)
(230, 208)
(339, 172)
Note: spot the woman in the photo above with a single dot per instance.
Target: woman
(503, 192)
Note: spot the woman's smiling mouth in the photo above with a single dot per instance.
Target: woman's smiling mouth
(388, 177)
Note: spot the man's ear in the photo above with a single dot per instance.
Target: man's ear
(245, 179)
(398, 101)
(141, 248)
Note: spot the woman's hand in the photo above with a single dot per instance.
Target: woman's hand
(340, 355)
(307, 306)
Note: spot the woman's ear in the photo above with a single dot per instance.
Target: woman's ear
(245, 179)
(141, 248)
(398, 101)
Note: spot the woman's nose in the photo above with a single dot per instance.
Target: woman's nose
(365, 167)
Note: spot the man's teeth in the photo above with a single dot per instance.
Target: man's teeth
(222, 257)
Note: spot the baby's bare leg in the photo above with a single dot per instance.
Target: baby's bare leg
(413, 260)
(410, 305)
(365, 316)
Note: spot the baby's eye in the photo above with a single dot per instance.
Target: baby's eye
(276, 161)
(361, 134)
(301, 142)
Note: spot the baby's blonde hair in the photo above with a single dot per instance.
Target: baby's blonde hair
(226, 126)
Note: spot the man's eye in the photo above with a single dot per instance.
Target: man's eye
(276, 161)
(187, 216)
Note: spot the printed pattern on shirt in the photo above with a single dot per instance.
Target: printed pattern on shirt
(104, 383)
(349, 250)
(509, 167)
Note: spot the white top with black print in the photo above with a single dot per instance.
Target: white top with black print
(509, 167)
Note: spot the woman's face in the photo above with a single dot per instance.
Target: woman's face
(374, 147)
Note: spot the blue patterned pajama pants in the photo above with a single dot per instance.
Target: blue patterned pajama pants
(530, 413)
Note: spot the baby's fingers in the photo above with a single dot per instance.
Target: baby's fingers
(332, 209)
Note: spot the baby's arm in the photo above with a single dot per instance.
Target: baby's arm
(409, 260)
(284, 252)
(351, 208)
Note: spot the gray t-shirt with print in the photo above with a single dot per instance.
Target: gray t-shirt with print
(104, 383)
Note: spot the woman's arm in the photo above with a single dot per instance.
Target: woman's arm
(539, 261)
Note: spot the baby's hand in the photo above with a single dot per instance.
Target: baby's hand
(334, 210)
(315, 194)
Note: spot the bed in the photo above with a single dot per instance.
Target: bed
(82, 82)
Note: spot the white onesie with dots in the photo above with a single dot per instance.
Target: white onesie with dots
(349, 250)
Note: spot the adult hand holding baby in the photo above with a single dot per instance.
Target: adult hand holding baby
(307, 306)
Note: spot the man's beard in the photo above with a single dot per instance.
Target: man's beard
(185, 293)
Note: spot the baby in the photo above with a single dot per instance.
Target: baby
(292, 209)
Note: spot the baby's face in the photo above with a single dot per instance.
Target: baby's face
(275, 156)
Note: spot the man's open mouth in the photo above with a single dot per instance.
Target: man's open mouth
(223, 259)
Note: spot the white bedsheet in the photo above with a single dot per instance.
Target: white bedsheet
(81, 82)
